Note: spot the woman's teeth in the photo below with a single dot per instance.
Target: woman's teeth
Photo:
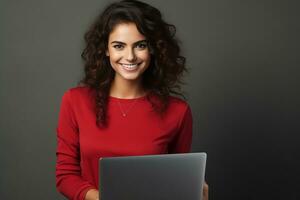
(130, 66)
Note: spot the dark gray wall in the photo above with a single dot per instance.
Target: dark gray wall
(243, 88)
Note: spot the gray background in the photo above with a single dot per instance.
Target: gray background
(243, 88)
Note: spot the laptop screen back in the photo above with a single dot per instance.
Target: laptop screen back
(152, 177)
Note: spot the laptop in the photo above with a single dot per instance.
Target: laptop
(152, 177)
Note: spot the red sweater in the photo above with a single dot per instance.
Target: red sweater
(80, 143)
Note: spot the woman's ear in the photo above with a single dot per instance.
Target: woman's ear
(106, 53)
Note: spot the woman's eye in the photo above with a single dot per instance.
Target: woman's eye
(141, 46)
(118, 46)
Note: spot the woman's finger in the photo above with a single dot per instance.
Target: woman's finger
(205, 191)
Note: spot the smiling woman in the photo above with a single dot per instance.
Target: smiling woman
(125, 104)
(108, 35)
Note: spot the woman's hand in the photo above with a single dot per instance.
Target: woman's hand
(92, 194)
(205, 191)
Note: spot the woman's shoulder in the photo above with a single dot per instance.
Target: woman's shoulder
(178, 104)
(177, 109)
(79, 92)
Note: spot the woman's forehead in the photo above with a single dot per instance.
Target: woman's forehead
(126, 33)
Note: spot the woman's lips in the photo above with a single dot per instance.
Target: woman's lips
(130, 67)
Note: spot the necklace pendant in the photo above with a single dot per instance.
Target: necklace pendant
(124, 114)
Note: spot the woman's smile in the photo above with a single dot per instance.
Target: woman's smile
(130, 67)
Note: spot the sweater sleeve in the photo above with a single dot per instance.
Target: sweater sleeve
(183, 138)
(68, 171)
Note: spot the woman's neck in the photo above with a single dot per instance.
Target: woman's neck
(126, 89)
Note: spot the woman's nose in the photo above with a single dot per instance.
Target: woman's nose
(130, 55)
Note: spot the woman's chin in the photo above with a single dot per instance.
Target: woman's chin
(129, 77)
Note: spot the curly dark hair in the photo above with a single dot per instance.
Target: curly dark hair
(164, 75)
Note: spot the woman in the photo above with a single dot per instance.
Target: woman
(123, 105)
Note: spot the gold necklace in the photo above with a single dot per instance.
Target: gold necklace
(125, 112)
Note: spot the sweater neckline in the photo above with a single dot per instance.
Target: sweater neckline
(127, 100)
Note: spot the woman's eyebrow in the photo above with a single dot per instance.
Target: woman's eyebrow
(119, 42)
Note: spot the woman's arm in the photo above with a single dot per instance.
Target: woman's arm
(183, 138)
(68, 171)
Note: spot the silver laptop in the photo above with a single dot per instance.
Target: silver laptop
(152, 177)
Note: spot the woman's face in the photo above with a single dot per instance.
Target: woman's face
(128, 52)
